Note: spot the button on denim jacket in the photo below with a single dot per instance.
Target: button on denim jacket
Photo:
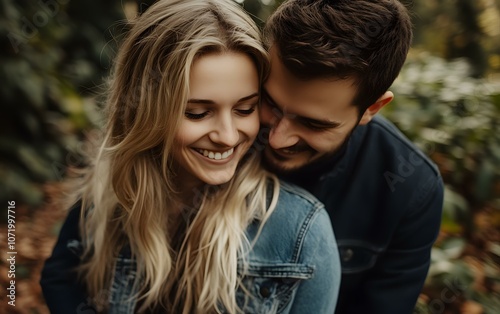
(293, 267)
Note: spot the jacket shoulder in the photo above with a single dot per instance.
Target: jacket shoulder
(296, 197)
(394, 143)
(283, 236)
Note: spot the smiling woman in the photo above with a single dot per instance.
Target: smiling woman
(175, 213)
(220, 122)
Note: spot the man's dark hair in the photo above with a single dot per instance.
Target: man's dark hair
(367, 40)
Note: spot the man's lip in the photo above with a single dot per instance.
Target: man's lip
(284, 153)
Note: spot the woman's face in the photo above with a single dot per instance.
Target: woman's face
(221, 119)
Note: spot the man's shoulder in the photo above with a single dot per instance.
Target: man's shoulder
(393, 146)
(379, 160)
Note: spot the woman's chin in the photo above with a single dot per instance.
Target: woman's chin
(218, 179)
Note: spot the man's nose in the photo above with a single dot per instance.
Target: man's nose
(282, 133)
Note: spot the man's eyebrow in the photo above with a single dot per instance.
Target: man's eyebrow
(327, 124)
(322, 123)
(211, 102)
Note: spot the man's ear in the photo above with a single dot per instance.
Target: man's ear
(386, 98)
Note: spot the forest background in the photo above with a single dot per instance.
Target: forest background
(56, 54)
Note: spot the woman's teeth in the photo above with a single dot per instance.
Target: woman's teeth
(217, 155)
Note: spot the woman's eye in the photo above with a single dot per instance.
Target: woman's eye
(195, 116)
(246, 112)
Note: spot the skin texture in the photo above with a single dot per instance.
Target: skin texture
(221, 116)
(308, 120)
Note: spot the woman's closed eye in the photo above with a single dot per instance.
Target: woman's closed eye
(195, 116)
(200, 113)
(246, 111)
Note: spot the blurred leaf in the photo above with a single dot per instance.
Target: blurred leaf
(455, 211)
(453, 247)
(33, 161)
(455, 273)
(18, 186)
(485, 179)
(490, 302)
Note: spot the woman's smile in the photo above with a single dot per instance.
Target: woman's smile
(215, 155)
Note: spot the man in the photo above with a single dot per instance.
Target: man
(332, 63)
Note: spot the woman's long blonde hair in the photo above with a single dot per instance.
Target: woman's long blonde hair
(128, 189)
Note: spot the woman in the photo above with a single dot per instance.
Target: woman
(179, 217)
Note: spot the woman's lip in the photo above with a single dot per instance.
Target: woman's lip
(200, 152)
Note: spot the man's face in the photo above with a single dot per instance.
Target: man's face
(307, 120)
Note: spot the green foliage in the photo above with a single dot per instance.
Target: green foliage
(460, 28)
(52, 54)
(259, 10)
(455, 120)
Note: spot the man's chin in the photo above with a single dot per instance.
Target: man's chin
(279, 167)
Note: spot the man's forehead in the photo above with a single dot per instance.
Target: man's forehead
(320, 91)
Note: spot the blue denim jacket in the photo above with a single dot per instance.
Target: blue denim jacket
(293, 267)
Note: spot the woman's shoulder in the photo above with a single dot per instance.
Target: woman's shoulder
(298, 208)
(292, 196)
(293, 202)
(296, 216)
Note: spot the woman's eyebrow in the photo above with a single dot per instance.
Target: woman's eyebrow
(211, 102)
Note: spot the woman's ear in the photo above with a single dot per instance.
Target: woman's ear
(386, 98)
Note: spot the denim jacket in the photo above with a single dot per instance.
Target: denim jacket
(293, 267)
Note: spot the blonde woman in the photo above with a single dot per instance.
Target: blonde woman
(175, 214)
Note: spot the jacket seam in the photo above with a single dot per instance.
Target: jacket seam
(401, 140)
(424, 193)
(303, 230)
(300, 192)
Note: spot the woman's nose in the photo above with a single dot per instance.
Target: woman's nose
(225, 132)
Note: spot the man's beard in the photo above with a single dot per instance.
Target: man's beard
(276, 168)
(309, 170)
(297, 171)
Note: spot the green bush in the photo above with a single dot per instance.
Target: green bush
(455, 120)
(53, 53)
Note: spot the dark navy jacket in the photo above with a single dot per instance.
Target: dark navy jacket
(384, 198)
